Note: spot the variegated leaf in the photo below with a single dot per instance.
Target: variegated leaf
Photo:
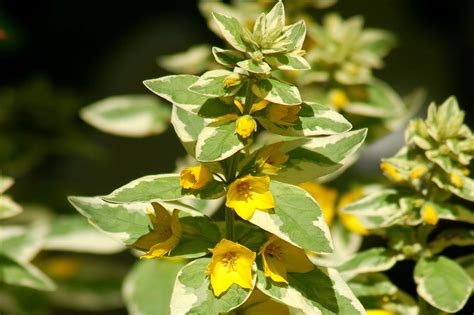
(320, 291)
(162, 187)
(143, 294)
(187, 126)
(278, 92)
(23, 243)
(372, 260)
(217, 143)
(211, 84)
(307, 229)
(8, 207)
(23, 274)
(128, 115)
(259, 67)
(231, 30)
(289, 61)
(174, 88)
(296, 34)
(313, 120)
(195, 60)
(5, 183)
(226, 57)
(442, 283)
(74, 234)
(192, 293)
(312, 158)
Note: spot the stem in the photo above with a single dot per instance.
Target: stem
(232, 167)
(229, 223)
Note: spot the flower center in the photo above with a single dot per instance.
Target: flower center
(230, 260)
(244, 189)
(274, 251)
(165, 232)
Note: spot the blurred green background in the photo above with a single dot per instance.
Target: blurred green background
(58, 56)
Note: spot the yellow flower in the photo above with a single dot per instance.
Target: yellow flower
(379, 312)
(418, 172)
(283, 114)
(195, 177)
(338, 98)
(249, 193)
(270, 158)
(456, 180)
(246, 125)
(350, 221)
(391, 172)
(326, 198)
(230, 263)
(259, 303)
(429, 214)
(165, 235)
(280, 257)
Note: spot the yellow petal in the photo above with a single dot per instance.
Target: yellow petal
(456, 180)
(391, 172)
(258, 106)
(160, 249)
(418, 172)
(230, 263)
(195, 177)
(262, 201)
(244, 209)
(429, 214)
(246, 125)
(352, 223)
(274, 269)
(239, 105)
(338, 98)
(175, 225)
(326, 198)
(259, 303)
(162, 216)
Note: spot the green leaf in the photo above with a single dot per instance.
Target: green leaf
(231, 30)
(451, 237)
(147, 288)
(287, 62)
(211, 84)
(23, 274)
(23, 243)
(278, 92)
(187, 126)
(313, 120)
(295, 34)
(311, 158)
(128, 115)
(296, 218)
(259, 67)
(5, 183)
(8, 207)
(379, 209)
(372, 260)
(382, 102)
(453, 212)
(195, 60)
(442, 283)
(228, 58)
(320, 291)
(174, 88)
(72, 233)
(372, 284)
(124, 222)
(275, 21)
(218, 143)
(162, 187)
(192, 293)
(465, 191)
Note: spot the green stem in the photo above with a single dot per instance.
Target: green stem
(229, 224)
(232, 167)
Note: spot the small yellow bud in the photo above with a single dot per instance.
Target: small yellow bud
(195, 177)
(246, 125)
(466, 171)
(232, 80)
(391, 172)
(338, 98)
(429, 214)
(418, 172)
(456, 180)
